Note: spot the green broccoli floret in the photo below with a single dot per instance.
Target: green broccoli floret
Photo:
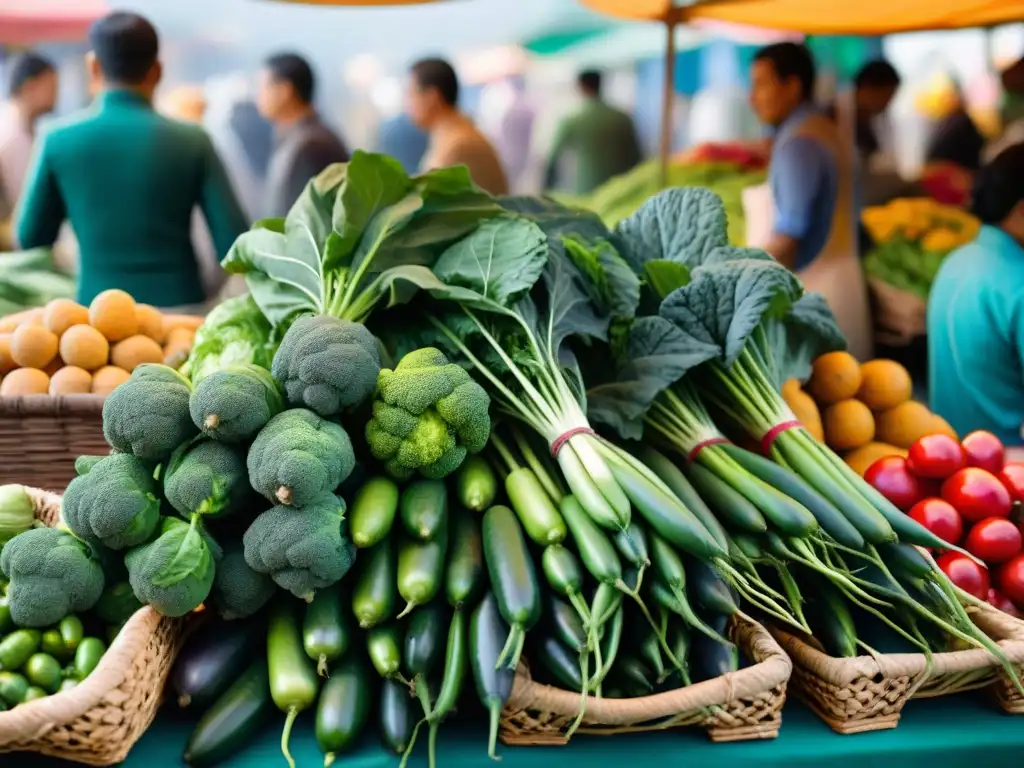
(148, 415)
(117, 504)
(428, 414)
(117, 604)
(303, 550)
(233, 404)
(174, 572)
(327, 365)
(238, 590)
(84, 463)
(50, 574)
(298, 456)
(208, 478)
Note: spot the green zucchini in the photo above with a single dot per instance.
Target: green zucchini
(382, 644)
(423, 507)
(375, 592)
(424, 640)
(676, 481)
(294, 683)
(234, 719)
(708, 589)
(831, 620)
(711, 658)
(566, 625)
(561, 663)
(373, 512)
(487, 634)
(420, 570)
(476, 484)
(343, 708)
(464, 572)
(326, 633)
(732, 507)
(397, 716)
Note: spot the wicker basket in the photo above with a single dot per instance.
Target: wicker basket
(740, 706)
(98, 721)
(867, 693)
(41, 436)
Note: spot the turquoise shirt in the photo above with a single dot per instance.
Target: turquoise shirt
(976, 337)
(128, 180)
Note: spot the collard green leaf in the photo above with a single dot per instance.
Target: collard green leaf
(808, 330)
(501, 260)
(683, 225)
(372, 183)
(724, 303)
(663, 277)
(609, 280)
(374, 246)
(282, 271)
(569, 310)
(184, 551)
(658, 354)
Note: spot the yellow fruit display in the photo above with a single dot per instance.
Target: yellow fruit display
(85, 347)
(941, 427)
(861, 458)
(61, 314)
(6, 361)
(151, 322)
(884, 385)
(71, 380)
(836, 376)
(107, 378)
(904, 424)
(33, 346)
(25, 381)
(134, 351)
(848, 424)
(112, 313)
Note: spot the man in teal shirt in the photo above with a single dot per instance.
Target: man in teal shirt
(128, 180)
(976, 312)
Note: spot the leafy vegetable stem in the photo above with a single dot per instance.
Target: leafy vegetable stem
(503, 451)
(539, 468)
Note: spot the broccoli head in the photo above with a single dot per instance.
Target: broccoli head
(298, 457)
(148, 415)
(117, 504)
(233, 404)
(208, 478)
(303, 551)
(428, 414)
(50, 574)
(174, 572)
(238, 590)
(327, 365)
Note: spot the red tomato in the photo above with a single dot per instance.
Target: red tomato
(890, 476)
(977, 494)
(939, 517)
(984, 450)
(1011, 579)
(937, 456)
(1002, 602)
(994, 540)
(1012, 476)
(966, 574)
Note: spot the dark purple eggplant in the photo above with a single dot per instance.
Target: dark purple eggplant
(212, 659)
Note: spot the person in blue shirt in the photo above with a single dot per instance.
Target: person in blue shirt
(810, 179)
(976, 312)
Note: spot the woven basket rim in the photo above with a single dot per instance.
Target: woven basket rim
(34, 719)
(1005, 629)
(51, 405)
(773, 668)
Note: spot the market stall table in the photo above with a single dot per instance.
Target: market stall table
(956, 732)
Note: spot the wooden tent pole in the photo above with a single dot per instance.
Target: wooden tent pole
(668, 95)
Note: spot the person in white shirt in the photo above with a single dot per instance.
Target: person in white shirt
(32, 93)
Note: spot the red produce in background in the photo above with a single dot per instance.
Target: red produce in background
(939, 517)
(936, 456)
(984, 450)
(1011, 580)
(971, 577)
(1012, 476)
(893, 479)
(994, 540)
(1002, 602)
(977, 494)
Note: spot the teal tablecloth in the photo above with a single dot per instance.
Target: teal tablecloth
(958, 732)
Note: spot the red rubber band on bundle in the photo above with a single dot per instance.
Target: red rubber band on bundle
(692, 455)
(770, 437)
(565, 437)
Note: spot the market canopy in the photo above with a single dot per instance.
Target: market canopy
(28, 22)
(362, 3)
(826, 17)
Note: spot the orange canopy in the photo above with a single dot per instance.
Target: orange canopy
(827, 17)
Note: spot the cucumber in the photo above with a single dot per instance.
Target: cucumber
(676, 481)
(711, 658)
(234, 719)
(464, 573)
(476, 484)
(212, 659)
(487, 633)
(383, 645)
(373, 512)
(397, 716)
(12, 688)
(633, 676)
(513, 578)
(87, 657)
(832, 622)
(343, 708)
(534, 507)
(326, 633)
(43, 671)
(561, 663)
(595, 548)
(424, 640)
(424, 508)
(294, 683)
(730, 506)
(709, 589)
(374, 595)
(566, 625)
(632, 544)
(420, 570)
(16, 648)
